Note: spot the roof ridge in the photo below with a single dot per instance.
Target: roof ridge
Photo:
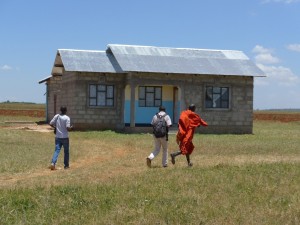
(196, 49)
(80, 50)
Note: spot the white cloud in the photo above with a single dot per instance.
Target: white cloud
(294, 47)
(264, 55)
(266, 58)
(280, 1)
(6, 67)
(279, 74)
(261, 50)
(280, 89)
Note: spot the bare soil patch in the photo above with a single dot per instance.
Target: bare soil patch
(29, 112)
(29, 126)
(280, 117)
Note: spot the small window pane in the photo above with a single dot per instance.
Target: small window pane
(93, 101)
(216, 101)
(142, 92)
(225, 94)
(93, 91)
(224, 104)
(101, 99)
(110, 92)
(150, 89)
(101, 87)
(158, 93)
(150, 99)
(142, 103)
(216, 90)
(157, 103)
(208, 104)
(209, 94)
(110, 102)
(209, 89)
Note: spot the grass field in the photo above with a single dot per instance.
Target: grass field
(22, 106)
(9, 111)
(236, 179)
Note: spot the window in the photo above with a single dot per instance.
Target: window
(101, 95)
(150, 96)
(217, 97)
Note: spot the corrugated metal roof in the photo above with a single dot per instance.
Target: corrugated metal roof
(183, 60)
(131, 58)
(88, 61)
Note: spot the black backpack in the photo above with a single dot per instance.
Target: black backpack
(160, 128)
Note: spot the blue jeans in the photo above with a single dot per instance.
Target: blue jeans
(59, 142)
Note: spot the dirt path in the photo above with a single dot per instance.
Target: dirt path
(10, 180)
(108, 170)
(120, 170)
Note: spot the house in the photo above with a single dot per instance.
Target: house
(121, 88)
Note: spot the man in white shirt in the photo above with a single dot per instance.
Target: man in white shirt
(160, 140)
(61, 124)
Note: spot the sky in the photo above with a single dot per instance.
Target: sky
(267, 31)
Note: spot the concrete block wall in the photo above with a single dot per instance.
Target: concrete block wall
(54, 89)
(72, 91)
(84, 116)
(238, 118)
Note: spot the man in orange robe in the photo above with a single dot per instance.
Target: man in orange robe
(188, 122)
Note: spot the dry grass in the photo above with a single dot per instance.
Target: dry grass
(236, 179)
(22, 106)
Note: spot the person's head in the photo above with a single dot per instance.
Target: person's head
(63, 109)
(162, 108)
(192, 107)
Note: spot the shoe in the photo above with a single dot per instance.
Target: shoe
(172, 159)
(66, 167)
(190, 164)
(165, 166)
(52, 166)
(148, 162)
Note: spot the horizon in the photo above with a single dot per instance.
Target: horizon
(39, 103)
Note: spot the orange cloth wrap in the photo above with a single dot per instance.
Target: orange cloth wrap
(188, 122)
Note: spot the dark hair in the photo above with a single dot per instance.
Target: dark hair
(63, 109)
(192, 107)
(162, 108)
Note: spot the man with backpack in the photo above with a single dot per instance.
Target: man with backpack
(161, 123)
